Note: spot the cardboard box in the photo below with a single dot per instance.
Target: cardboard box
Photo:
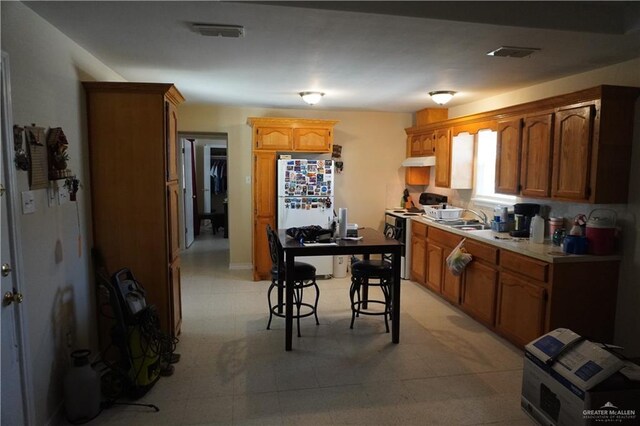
(568, 380)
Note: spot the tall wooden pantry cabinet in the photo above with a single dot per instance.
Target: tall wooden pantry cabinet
(134, 187)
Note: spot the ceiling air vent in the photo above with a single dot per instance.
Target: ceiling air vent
(513, 51)
(216, 30)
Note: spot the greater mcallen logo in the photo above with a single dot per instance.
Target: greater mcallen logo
(609, 413)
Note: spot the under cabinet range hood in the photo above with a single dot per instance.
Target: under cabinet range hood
(419, 161)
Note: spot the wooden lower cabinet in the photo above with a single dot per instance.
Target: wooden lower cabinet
(418, 253)
(522, 307)
(450, 282)
(434, 266)
(262, 258)
(480, 291)
(519, 297)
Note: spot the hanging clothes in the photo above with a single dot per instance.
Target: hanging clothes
(218, 173)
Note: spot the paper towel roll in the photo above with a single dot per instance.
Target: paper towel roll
(342, 223)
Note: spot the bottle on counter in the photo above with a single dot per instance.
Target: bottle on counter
(536, 232)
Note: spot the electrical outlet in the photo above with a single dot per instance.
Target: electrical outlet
(28, 202)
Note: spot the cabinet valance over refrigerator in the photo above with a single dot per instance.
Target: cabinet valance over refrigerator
(305, 197)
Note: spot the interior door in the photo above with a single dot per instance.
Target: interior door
(12, 388)
(187, 182)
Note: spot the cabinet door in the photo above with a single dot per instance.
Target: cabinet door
(443, 158)
(315, 140)
(273, 138)
(176, 297)
(572, 153)
(415, 145)
(261, 256)
(508, 156)
(173, 225)
(418, 256)
(479, 291)
(172, 141)
(434, 266)
(521, 308)
(264, 187)
(450, 282)
(264, 184)
(428, 143)
(537, 148)
(417, 175)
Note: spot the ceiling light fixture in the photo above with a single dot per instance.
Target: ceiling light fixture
(441, 97)
(217, 30)
(311, 98)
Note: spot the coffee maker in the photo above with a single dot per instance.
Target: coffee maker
(523, 212)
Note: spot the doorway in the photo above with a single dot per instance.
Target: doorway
(205, 206)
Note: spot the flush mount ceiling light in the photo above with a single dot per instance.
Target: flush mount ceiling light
(513, 51)
(441, 97)
(311, 98)
(217, 30)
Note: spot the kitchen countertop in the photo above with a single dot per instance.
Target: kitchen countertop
(546, 252)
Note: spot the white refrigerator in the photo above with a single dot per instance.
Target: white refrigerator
(305, 197)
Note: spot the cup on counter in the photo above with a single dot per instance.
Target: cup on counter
(574, 244)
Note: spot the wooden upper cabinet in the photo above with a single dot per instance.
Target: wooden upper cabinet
(537, 149)
(314, 140)
(273, 138)
(443, 157)
(421, 144)
(508, 150)
(415, 145)
(292, 134)
(572, 153)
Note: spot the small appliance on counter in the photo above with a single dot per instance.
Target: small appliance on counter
(523, 213)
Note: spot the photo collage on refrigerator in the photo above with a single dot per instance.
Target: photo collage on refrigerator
(307, 184)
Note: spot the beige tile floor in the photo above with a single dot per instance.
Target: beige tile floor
(447, 369)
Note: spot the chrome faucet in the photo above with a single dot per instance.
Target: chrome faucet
(482, 215)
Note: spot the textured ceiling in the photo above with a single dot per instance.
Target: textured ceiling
(381, 55)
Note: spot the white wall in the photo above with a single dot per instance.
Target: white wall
(373, 146)
(46, 70)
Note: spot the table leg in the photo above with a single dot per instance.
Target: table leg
(288, 320)
(395, 314)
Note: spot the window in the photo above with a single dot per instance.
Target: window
(486, 171)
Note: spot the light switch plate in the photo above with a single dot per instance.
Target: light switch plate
(28, 202)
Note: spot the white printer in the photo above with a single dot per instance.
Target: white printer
(568, 380)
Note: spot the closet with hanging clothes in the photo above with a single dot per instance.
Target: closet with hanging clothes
(218, 190)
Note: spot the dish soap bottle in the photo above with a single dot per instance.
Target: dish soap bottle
(536, 232)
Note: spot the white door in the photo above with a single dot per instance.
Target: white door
(187, 181)
(206, 180)
(13, 411)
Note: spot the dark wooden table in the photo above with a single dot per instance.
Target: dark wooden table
(372, 242)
